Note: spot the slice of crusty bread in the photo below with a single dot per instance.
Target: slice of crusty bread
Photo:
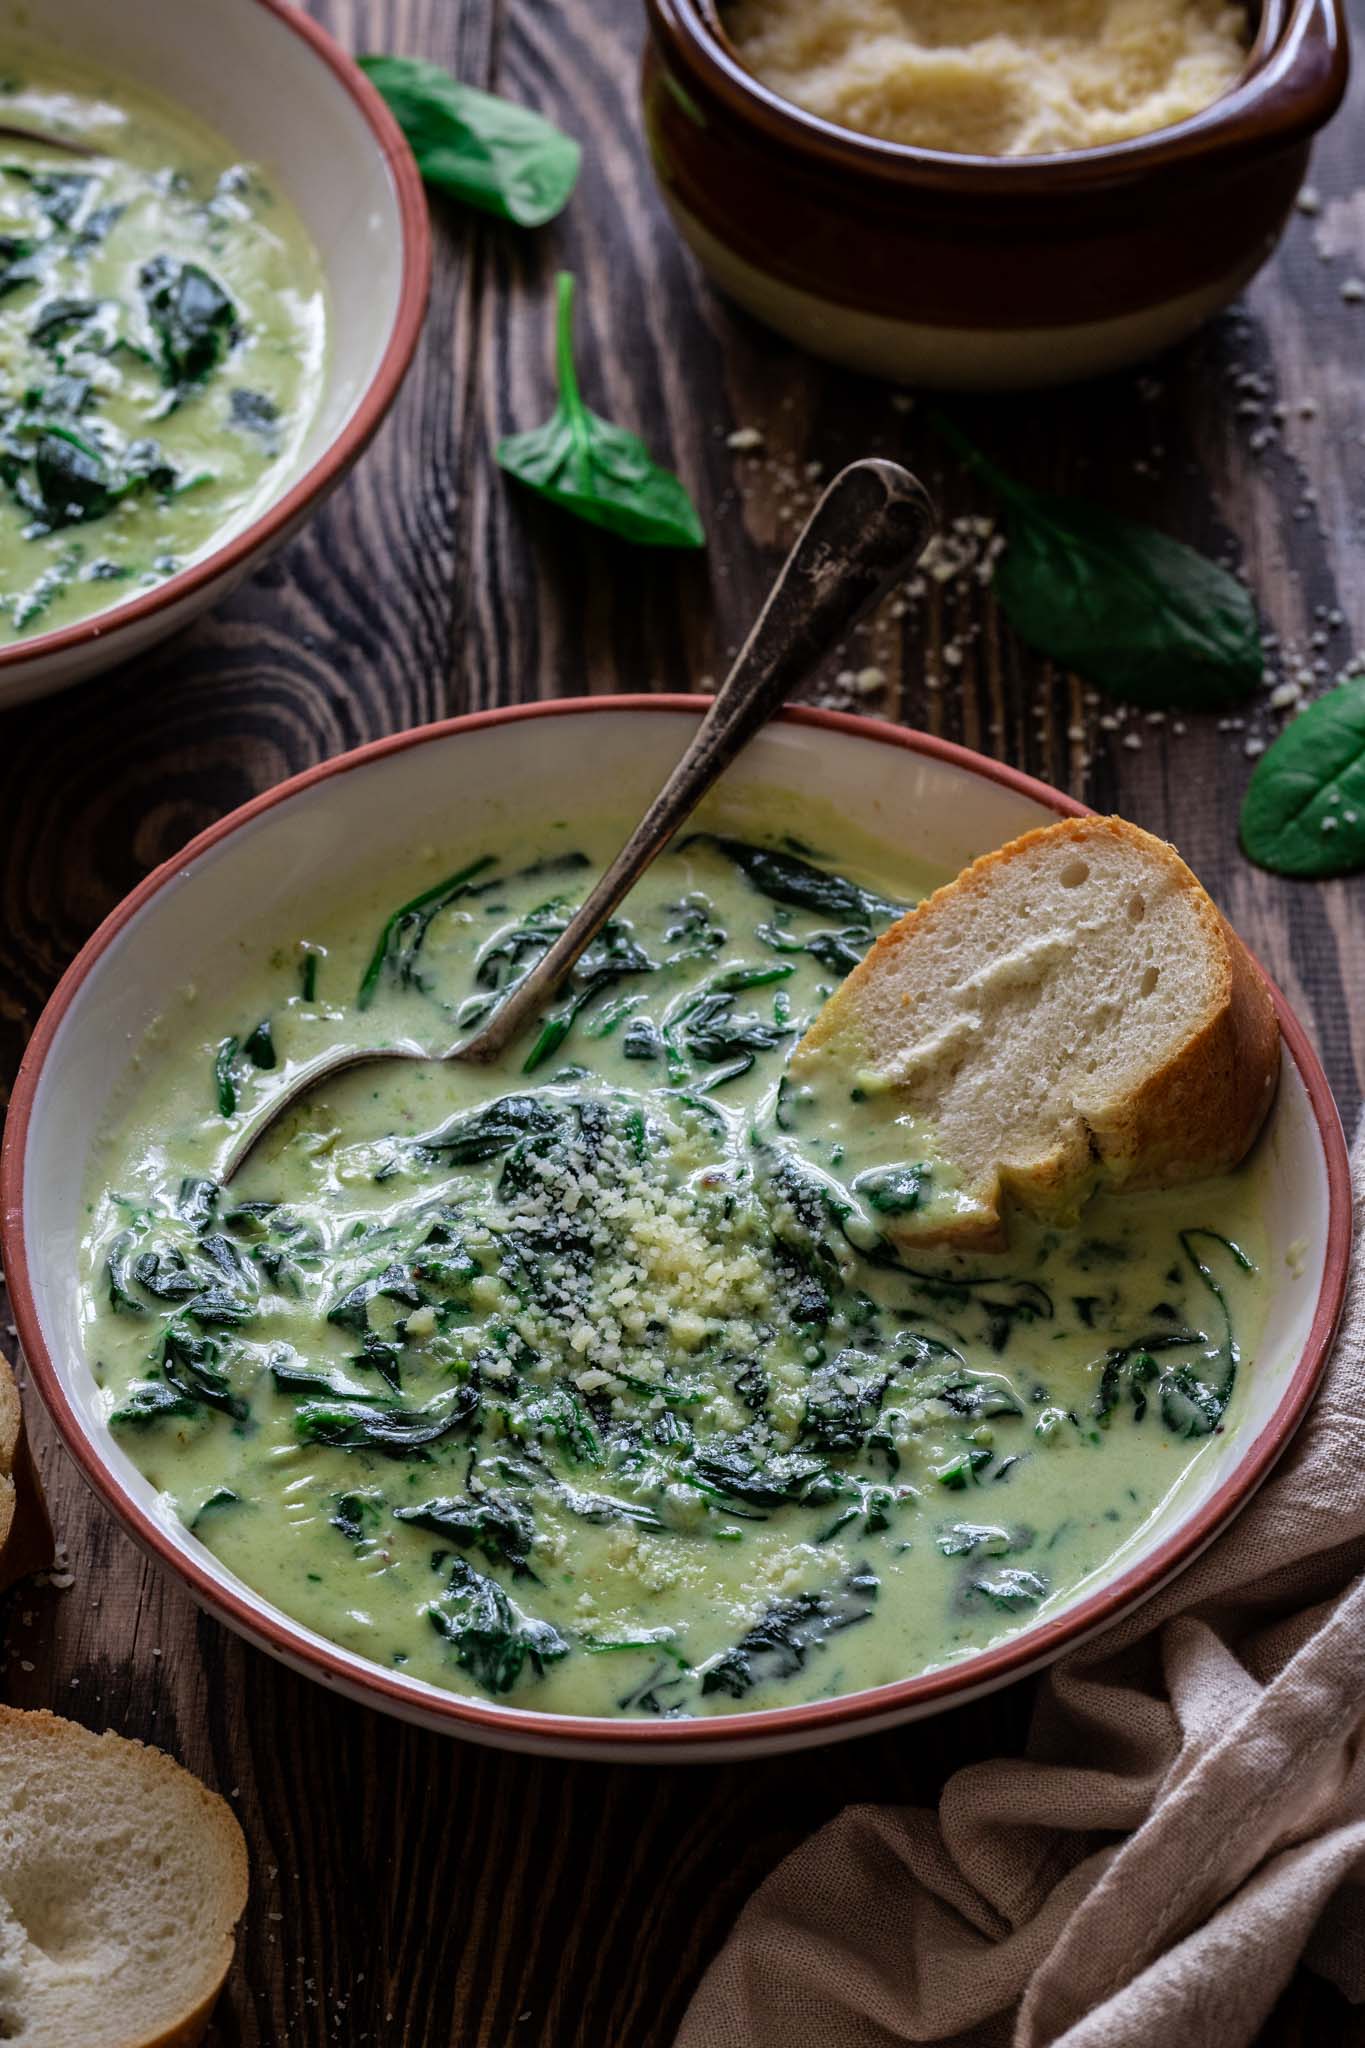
(1071, 1012)
(121, 1881)
(25, 1532)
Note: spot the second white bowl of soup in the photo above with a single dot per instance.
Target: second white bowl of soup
(206, 304)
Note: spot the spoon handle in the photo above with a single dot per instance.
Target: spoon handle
(871, 525)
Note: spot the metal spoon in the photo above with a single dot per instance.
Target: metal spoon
(870, 526)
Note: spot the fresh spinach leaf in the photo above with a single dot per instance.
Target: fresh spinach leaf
(489, 152)
(1304, 810)
(597, 471)
(1138, 614)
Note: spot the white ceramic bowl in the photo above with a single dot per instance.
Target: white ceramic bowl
(456, 783)
(286, 97)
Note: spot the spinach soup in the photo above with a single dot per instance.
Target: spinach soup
(162, 335)
(593, 1383)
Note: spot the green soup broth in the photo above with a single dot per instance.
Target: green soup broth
(162, 342)
(590, 1382)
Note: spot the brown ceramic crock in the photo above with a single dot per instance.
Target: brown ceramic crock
(964, 271)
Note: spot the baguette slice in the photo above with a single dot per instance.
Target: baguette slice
(1072, 1012)
(25, 1532)
(121, 1881)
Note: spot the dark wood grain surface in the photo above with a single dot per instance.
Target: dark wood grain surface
(413, 1890)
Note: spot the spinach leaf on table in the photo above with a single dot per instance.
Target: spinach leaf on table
(1304, 810)
(597, 471)
(503, 158)
(1138, 614)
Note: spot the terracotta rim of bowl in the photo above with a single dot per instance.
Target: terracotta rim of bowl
(374, 402)
(584, 1734)
(1293, 81)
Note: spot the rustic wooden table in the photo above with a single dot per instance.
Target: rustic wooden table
(408, 1889)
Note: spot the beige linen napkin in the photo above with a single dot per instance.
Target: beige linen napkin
(1183, 1828)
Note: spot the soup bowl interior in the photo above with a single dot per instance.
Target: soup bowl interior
(281, 97)
(465, 784)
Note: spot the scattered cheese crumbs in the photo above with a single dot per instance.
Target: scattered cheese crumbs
(1309, 200)
(744, 439)
(1353, 290)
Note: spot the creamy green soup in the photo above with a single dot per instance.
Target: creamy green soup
(593, 1383)
(162, 337)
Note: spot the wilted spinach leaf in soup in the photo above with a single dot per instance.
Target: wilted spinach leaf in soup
(594, 1383)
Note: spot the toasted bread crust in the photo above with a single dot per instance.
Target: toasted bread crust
(1195, 1115)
